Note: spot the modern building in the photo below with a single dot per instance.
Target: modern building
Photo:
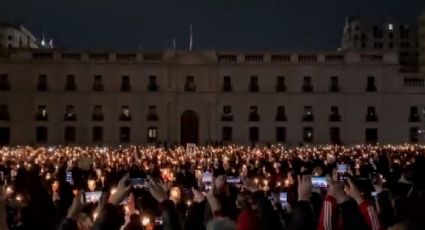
(390, 36)
(70, 97)
(422, 42)
(16, 36)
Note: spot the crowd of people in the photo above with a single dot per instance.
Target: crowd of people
(230, 187)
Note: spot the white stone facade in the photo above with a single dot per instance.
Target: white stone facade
(32, 79)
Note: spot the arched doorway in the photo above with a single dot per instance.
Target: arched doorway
(189, 127)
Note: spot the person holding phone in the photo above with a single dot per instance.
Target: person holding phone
(248, 218)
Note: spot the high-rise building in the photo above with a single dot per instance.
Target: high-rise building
(16, 36)
(391, 36)
(421, 27)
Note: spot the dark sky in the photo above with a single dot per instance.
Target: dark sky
(222, 24)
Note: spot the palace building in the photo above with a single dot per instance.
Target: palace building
(51, 97)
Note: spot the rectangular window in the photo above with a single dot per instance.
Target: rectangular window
(254, 134)
(190, 85)
(42, 113)
(371, 87)
(227, 114)
(334, 87)
(41, 134)
(227, 84)
(125, 114)
(414, 114)
(308, 135)
(307, 85)
(253, 84)
(42, 83)
(70, 114)
(97, 113)
(4, 113)
(152, 134)
(371, 136)
(4, 82)
(4, 136)
(152, 86)
(226, 134)
(335, 135)
(70, 134)
(281, 114)
(253, 114)
(70, 84)
(152, 113)
(98, 83)
(308, 114)
(125, 83)
(334, 116)
(371, 115)
(280, 134)
(97, 134)
(280, 85)
(124, 134)
(414, 135)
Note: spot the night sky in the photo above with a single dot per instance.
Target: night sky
(221, 24)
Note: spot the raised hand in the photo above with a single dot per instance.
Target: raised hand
(304, 187)
(157, 191)
(121, 192)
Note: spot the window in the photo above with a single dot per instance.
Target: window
(97, 134)
(70, 113)
(414, 135)
(124, 134)
(308, 135)
(97, 113)
(253, 114)
(254, 134)
(414, 114)
(152, 134)
(280, 85)
(190, 84)
(125, 83)
(371, 87)
(4, 82)
(227, 84)
(41, 134)
(4, 113)
(334, 134)
(226, 134)
(227, 113)
(4, 136)
(334, 87)
(371, 114)
(371, 136)
(253, 84)
(42, 83)
(152, 114)
(152, 86)
(308, 114)
(98, 83)
(42, 113)
(334, 116)
(70, 83)
(280, 134)
(307, 85)
(281, 113)
(70, 134)
(125, 114)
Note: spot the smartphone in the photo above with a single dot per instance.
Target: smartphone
(341, 170)
(374, 195)
(207, 177)
(319, 182)
(92, 197)
(233, 180)
(283, 198)
(68, 177)
(138, 182)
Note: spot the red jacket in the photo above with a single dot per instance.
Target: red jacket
(248, 220)
(370, 215)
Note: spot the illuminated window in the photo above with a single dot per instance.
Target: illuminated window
(70, 113)
(308, 135)
(125, 114)
(152, 134)
(42, 113)
(308, 114)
